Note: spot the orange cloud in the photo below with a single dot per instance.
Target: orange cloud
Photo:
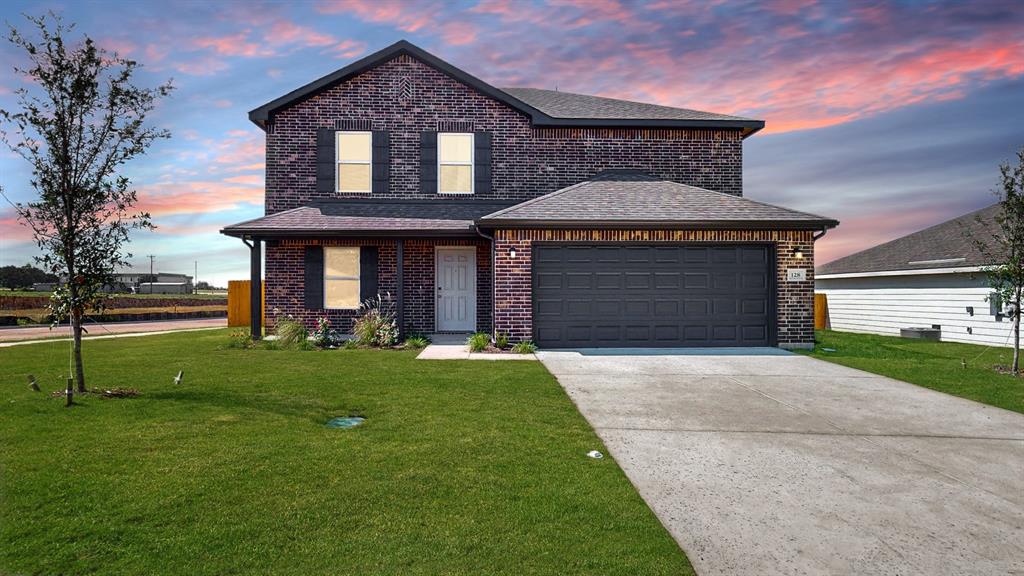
(185, 198)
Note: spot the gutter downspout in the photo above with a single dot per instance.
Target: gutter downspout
(819, 235)
(494, 277)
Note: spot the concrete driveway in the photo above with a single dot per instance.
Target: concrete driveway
(782, 464)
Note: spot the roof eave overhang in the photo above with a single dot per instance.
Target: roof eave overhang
(658, 224)
(265, 233)
(906, 272)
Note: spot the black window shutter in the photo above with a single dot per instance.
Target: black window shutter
(325, 161)
(482, 162)
(314, 280)
(428, 162)
(367, 272)
(381, 161)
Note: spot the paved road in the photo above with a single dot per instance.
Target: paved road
(37, 332)
(790, 465)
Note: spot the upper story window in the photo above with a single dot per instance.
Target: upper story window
(354, 158)
(455, 163)
(341, 277)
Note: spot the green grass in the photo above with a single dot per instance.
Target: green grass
(935, 365)
(201, 295)
(462, 467)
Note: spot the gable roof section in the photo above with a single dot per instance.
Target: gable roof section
(361, 217)
(637, 200)
(543, 108)
(945, 245)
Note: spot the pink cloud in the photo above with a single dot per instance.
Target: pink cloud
(203, 66)
(347, 48)
(232, 45)
(12, 229)
(288, 32)
(407, 17)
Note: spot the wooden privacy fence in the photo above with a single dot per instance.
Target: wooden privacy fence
(820, 311)
(238, 303)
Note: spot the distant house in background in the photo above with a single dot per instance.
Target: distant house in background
(141, 283)
(933, 277)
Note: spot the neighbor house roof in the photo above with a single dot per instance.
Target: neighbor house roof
(384, 217)
(543, 107)
(951, 244)
(634, 199)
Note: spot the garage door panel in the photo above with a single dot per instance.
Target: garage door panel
(754, 307)
(575, 307)
(696, 280)
(754, 333)
(641, 280)
(696, 308)
(549, 280)
(610, 295)
(609, 280)
(548, 307)
(725, 281)
(666, 308)
(667, 280)
(638, 307)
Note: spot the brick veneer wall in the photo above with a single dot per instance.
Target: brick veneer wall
(513, 278)
(285, 281)
(526, 161)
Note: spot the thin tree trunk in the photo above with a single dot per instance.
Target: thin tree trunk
(76, 327)
(1016, 336)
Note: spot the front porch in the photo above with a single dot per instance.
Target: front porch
(426, 258)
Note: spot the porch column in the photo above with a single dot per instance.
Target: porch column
(255, 290)
(400, 285)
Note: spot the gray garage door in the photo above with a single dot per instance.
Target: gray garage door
(657, 296)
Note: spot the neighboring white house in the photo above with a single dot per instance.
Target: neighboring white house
(934, 277)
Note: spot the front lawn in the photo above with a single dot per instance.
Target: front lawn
(935, 365)
(462, 467)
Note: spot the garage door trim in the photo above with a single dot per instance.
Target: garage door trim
(772, 314)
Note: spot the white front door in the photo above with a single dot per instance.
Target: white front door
(456, 288)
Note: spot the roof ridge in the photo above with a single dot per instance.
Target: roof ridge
(600, 97)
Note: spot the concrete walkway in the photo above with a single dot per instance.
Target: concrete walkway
(33, 334)
(453, 347)
(767, 464)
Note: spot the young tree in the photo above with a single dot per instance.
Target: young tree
(1006, 247)
(78, 123)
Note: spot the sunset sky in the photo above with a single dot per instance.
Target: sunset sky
(887, 117)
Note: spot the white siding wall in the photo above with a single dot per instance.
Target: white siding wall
(884, 304)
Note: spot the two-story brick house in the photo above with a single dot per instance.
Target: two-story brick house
(570, 220)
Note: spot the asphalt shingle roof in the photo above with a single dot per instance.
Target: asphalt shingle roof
(368, 217)
(543, 107)
(620, 198)
(569, 105)
(950, 244)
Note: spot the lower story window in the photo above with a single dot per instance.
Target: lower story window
(341, 277)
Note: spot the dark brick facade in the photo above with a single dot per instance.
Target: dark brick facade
(513, 276)
(526, 162)
(406, 97)
(285, 283)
